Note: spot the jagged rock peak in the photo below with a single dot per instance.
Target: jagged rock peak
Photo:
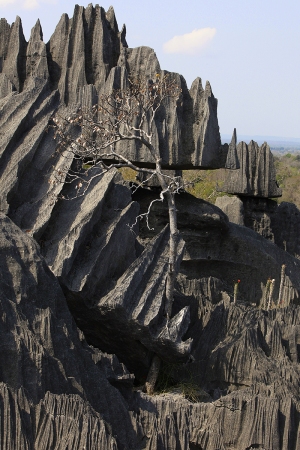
(83, 49)
(4, 39)
(256, 176)
(15, 59)
(111, 17)
(36, 55)
(232, 161)
(196, 87)
(89, 50)
(122, 36)
(208, 89)
(36, 32)
(206, 134)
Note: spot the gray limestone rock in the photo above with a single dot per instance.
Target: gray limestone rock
(36, 55)
(134, 309)
(286, 228)
(14, 53)
(258, 215)
(232, 207)
(279, 223)
(82, 51)
(88, 241)
(50, 379)
(232, 161)
(55, 390)
(206, 134)
(241, 254)
(6, 86)
(187, 132)
(217, 248)
(21, 111)
(5, 29)
(256, 176)
(87, 55)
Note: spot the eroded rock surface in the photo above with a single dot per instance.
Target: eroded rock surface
(233, 207)
(256, 176)
(226, 251)
(246, 367)
(279, 223)
(57, 391)
(88, 53)
(46, 366)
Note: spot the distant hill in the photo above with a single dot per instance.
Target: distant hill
(277, 143)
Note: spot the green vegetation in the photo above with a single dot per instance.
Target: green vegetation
(128, 174)
(288, 177)
(207, 184)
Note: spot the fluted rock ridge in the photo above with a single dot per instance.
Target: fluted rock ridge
(256, 176)
(50, 378)
(55, 390)
(62, 251)
(88, 53)
(279, 223)
(215, 247)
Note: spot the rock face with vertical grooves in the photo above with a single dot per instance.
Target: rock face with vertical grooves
(246, 367)
(134, 309)
(232, 368)
(36, 55)
(50, 379)
(13, 54)
(248, 364)
(226, 251)
(89, 50)
(256, 176)
(279, 223)
(55, 390)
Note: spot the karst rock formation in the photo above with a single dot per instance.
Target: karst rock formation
(81, 305)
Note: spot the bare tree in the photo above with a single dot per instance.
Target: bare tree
(93, 137)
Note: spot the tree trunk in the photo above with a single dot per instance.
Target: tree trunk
(172, 270)
(173, 242)
(280, 295)
(152, 375)
(173, 250)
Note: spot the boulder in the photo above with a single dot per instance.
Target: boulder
(232, 207)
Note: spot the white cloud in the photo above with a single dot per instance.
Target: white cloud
(31, 4)
(6, 2)
(27, 4)
(190, 43)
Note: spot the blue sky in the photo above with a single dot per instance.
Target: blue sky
(248, 50)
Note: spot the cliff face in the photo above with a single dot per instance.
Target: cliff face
(256, 175)
(57, 391)
(50, 379)
(88, 257)
(87, 55)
